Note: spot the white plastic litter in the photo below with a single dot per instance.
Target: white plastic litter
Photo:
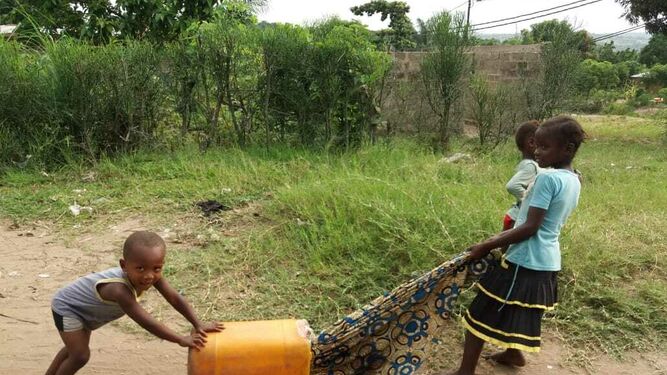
(457, 158)
(76, 210)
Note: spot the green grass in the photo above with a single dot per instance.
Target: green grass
(317, 235)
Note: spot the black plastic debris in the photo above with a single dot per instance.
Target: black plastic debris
(209, 207)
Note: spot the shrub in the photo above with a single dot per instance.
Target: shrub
(109, 98)
(444, 69)
(596, 75)
(595, 101)
(492, 108)
(643, 100)
(72, 99)
(663, 93)
(29, 115)
(657, 75)
(620, 109)
(75, 98)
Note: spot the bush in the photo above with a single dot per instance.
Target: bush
(643, 100)
(78, 99)
(29, 115)
(109, 98)
(493, 110)
(597, 75)
(443, 71)
(620, 109)
(72, 99)
(663, 93)
(595, 101)
(657, 75)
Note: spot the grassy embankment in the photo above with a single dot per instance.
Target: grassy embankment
(318, 235)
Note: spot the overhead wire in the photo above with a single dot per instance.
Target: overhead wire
(617, 33)
(528, 14)
(462, 4)
(532, 18)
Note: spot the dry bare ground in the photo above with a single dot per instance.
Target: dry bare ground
(35, 264)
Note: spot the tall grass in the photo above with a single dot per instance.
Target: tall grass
(110, 98)
(24, 87)
(76, 100)
(66, 99)
(316, 235)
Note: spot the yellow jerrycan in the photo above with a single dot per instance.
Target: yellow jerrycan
(273, 347)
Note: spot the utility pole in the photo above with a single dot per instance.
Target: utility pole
(468, 14)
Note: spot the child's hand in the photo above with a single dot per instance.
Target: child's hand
(209, 327)
(195, 341)
(478, 251)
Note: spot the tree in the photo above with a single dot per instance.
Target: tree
(420, 34)
(597, 75)
(232, 59)
(287, 78)
(101, 20)
(491, 107)
(607, 52)
(657, 75)
(655, 52)
(345, 69)
(551, 30)
(444, 70)
(652, 12)
(546, 92)
(401, 32)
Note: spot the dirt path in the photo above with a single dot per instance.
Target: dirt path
(552, 361)
(34, 265)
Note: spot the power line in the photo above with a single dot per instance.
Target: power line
(529, 14)
(620, 32)
(462, 4)
(540, 16)
(617, 33)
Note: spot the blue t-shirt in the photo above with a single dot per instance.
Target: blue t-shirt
(557, 192)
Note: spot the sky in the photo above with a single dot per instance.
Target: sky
(602, 17)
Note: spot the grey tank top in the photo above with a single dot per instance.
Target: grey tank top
(82, 300)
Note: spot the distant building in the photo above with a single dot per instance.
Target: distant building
(6, 31)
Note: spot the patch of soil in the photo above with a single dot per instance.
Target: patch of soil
(35, 264)
(553, 359)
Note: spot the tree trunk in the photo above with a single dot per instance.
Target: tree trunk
(230, 103)
(266, 104)
(213, 128)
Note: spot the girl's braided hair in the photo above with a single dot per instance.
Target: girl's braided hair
(566, 130)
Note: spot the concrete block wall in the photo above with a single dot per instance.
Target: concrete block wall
(405, 107)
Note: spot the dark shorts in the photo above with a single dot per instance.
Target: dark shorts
(72, 323)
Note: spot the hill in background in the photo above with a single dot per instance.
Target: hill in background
(630, 40)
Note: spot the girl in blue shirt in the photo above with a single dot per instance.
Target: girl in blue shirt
(512, 298)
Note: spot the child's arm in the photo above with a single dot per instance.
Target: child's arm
(121, 294)
(508, 237)
(518, 183)
(181, 305)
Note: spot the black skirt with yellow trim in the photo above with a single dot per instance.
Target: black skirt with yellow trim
(509, 306)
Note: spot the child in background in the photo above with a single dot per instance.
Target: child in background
(512, 298)
(99, 298)
(526, 171)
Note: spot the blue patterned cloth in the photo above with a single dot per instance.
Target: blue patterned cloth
(392, 334)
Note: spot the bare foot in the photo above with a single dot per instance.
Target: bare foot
(509, 357)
